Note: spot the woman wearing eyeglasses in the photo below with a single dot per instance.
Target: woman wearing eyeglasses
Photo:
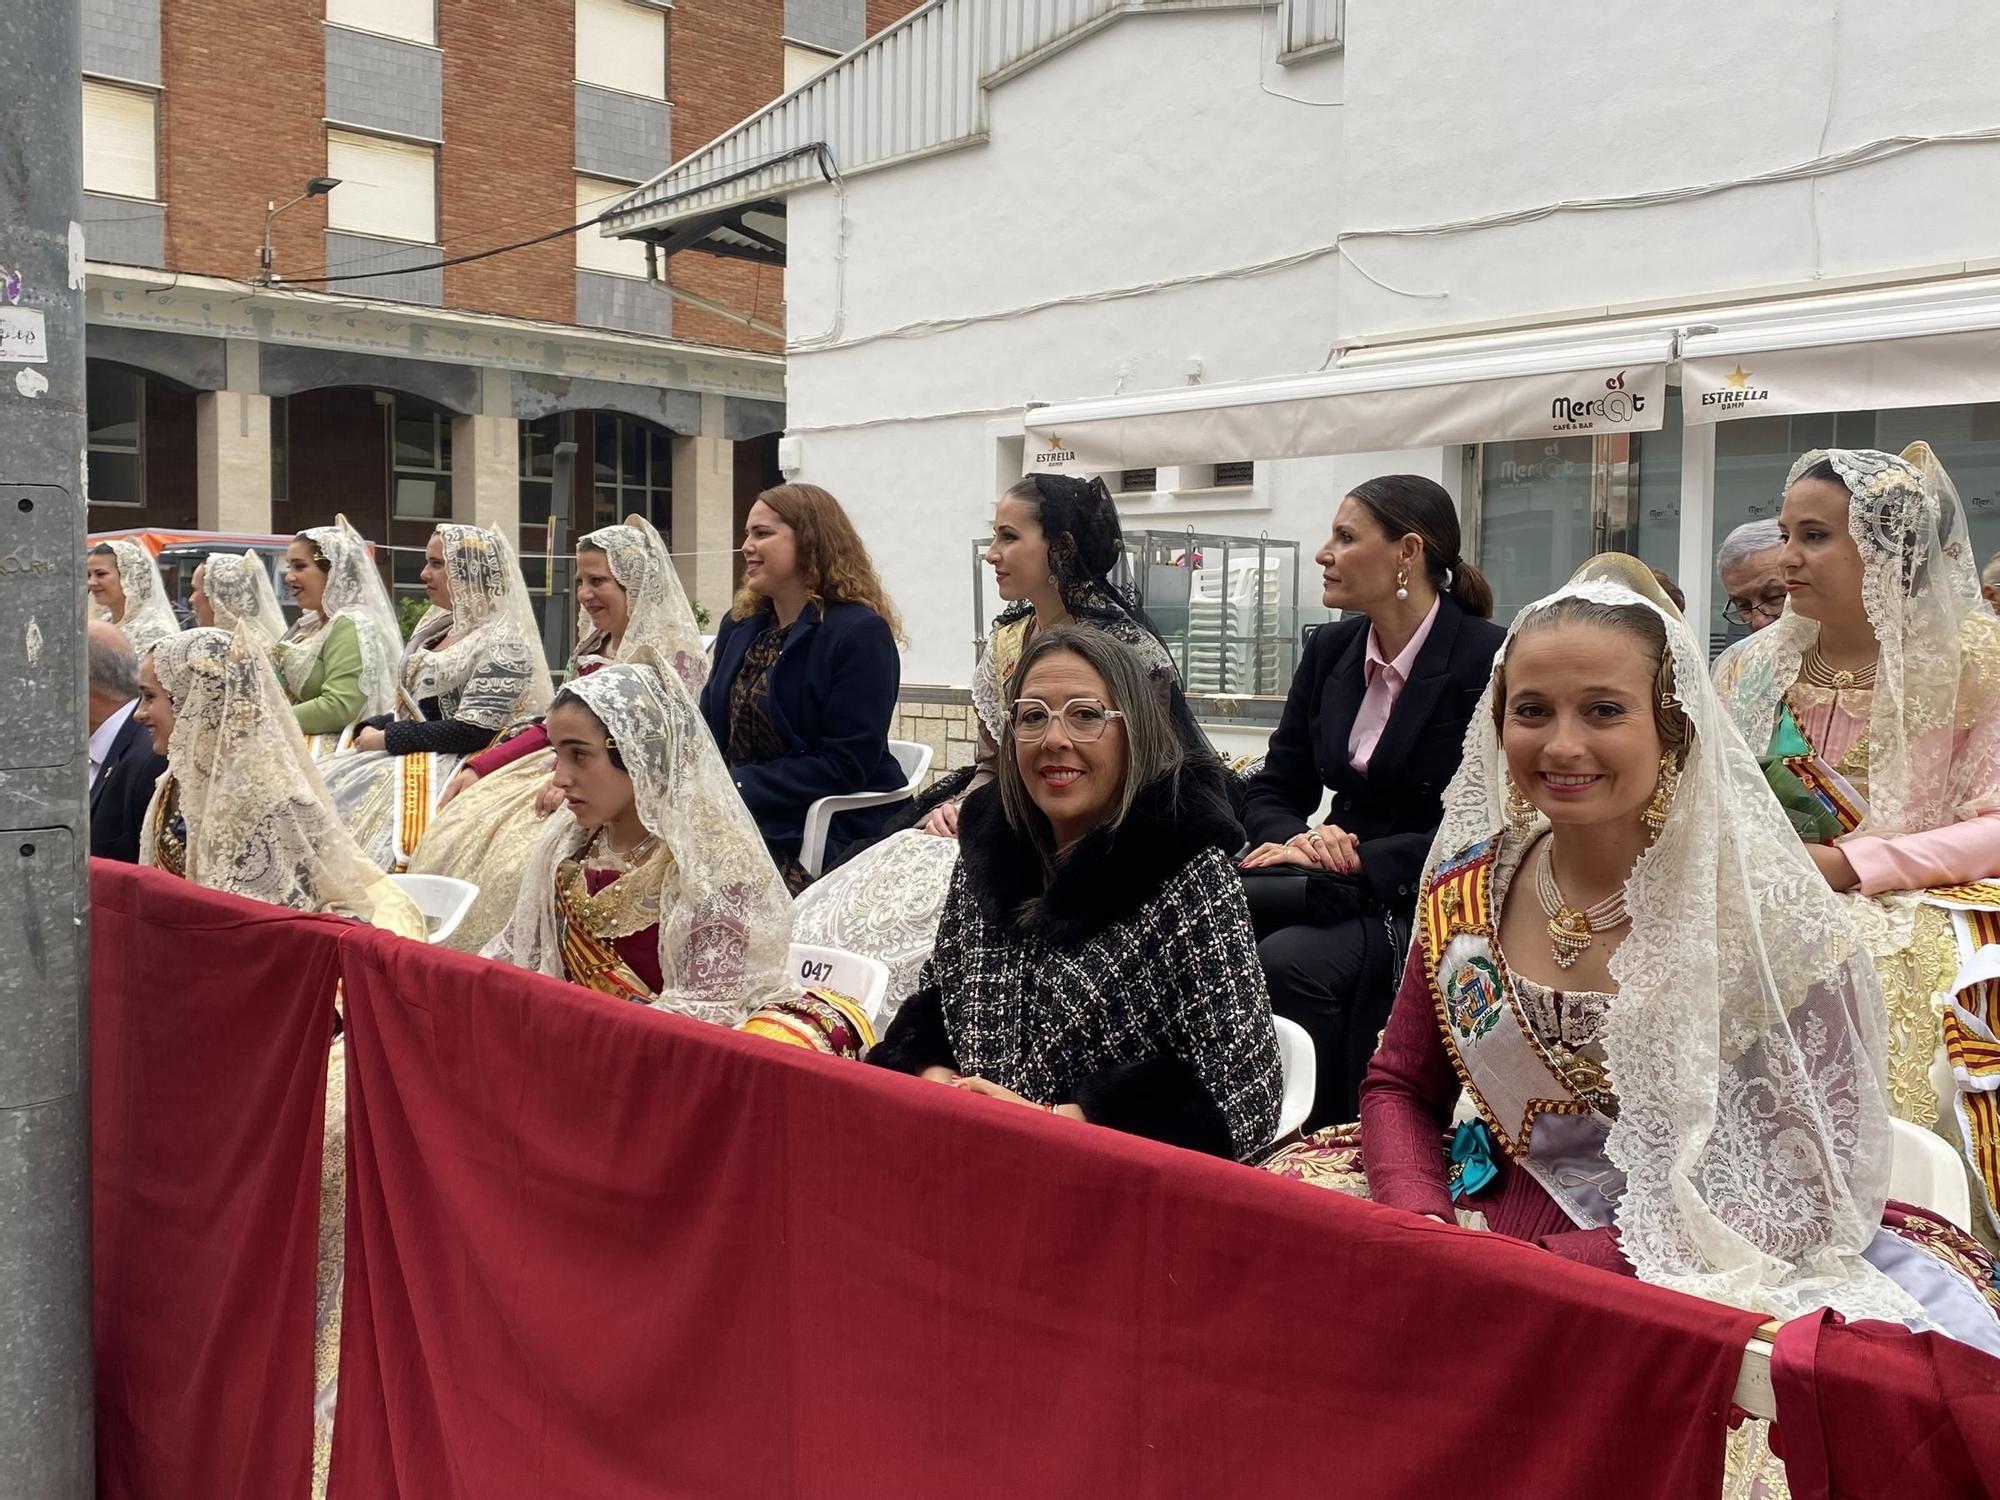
(1095, 958)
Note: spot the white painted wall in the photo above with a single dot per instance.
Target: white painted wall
(1147, 152)
(1458, 110)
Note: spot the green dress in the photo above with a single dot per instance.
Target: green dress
(331, 697)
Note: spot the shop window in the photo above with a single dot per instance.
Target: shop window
(632, 471)
(1547, 504)
(120, 140)
(409, 20)
(422, 485)
(622, 45)
(388, 189)
(537, 493)
(116, 414)
(595, 252)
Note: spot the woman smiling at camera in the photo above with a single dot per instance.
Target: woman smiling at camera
(1095, 956)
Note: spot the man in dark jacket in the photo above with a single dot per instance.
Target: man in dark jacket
(123, 763)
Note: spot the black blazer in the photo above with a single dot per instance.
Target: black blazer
(1394, 809)
(833, 696)
(123, 792)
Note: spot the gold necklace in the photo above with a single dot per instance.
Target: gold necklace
(1570, 930)
(1819, 673)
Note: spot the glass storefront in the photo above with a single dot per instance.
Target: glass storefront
(1547, 504)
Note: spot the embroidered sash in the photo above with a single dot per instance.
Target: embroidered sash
(412, 804)
(1969, 1023)
(1536, 1113)
(1833, 793)
(590, 961)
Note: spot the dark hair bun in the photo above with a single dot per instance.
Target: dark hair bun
(1082, 510)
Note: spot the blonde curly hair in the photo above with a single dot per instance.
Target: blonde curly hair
(831, 557)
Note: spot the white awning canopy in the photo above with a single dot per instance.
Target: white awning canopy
(1566, 384)
(1917, 347)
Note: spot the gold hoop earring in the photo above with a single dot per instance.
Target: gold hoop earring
(1521, 813)
(1402, 583)
(1663, 795)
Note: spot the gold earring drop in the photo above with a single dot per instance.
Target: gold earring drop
(1520, 811)
(1402, 583)
(1663, 795)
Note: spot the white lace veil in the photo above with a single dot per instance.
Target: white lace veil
(149, 616)
(725, 918)
(239, 588)
(1745, 1043)
(491, 621)
(353, 591)
(659, 618)
(1934, 717)
(259, 822)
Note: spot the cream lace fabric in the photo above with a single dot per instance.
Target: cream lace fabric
(483, 656)
(239, 588)
(659, 618)
(149, 616)
(885, 903)
(1745, 1040)
(259, 822)
(353, 590)
(1934, 717)
(725, 916)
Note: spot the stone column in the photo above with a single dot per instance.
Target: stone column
(486, 460)
(704, 531)
(232, 447)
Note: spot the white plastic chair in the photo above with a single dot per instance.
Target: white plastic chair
(862, 979)
(1926, 1172)
(443, 900)
(1298, 1060)
(915, 760)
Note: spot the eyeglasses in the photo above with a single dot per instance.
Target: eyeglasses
(1767, 606)
(1083, 719)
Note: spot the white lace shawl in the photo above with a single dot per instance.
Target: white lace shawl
(239, 588)
(658, 617)
(725, 916)
(490, 669)
(259, 821)
(353, 592)
(1746, 1039)
(148, 617)
(1934, 717)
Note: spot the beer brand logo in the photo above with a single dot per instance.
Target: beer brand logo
(1616, 406)
(1736, 390)
(1054, 453)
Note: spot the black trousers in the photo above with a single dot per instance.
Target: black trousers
(1338, 983)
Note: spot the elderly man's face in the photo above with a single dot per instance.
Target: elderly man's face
(1756, 589)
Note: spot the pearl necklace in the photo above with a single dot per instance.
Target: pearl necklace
(1570, 930)
(1816, 671)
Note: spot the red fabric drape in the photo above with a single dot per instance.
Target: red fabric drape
(210, 1018)
(598, 1251)
(1872, 1411)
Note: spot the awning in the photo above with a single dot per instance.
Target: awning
(1472, 390)
(1915, 348)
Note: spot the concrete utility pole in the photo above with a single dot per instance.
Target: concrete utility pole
(45, 1383)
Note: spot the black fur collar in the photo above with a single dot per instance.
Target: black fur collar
(1109, 875)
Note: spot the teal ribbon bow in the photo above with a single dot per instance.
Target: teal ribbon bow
(1472, 1166)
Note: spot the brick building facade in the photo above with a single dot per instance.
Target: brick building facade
(408, 391)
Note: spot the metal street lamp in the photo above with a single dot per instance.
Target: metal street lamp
(315, 188)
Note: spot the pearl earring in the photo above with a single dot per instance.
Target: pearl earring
(1402, 583)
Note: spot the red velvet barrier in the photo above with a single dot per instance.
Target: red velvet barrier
(595, 1251)
(210, 1018)
(1872, 1411)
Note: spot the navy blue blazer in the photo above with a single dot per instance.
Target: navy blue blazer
(1395, 808)
(833, 697)
(123, 792)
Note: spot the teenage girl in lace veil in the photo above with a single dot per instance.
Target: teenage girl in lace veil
(630, 605)
(1874, 703)
(227, 588)
(338, 661)
(1670, 1031)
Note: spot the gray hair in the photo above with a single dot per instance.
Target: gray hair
(1990, 574)
(1745, 542)
(1153, 748)
(114, 666)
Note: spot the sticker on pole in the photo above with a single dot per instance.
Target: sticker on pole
(24, 336)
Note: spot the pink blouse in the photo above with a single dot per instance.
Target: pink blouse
(1385, 681)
